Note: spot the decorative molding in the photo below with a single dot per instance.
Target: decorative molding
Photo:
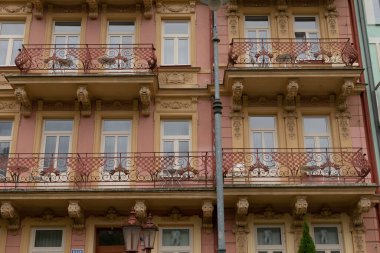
(237, 124)
(264, 101)
(93, 9)
(291, 94)
(241, 238)
(76, 214)
(8, 106)
(9, 213)
(112, 214)
(362, 206)
(346, 90)
(177, 78)
(207, 209)
(15, 8)
(282, 22)
(241, 211)
(145, 100)
(148, 13)
(23, 99)
(38, 8)
(325, 213)
(313, 101)
(237, 93)
(48, 215)
(291, 123)
(116, 105)
(343, 119)
(233, 23)
(83, 98)
(269, 213)
(133, 8)
(170, 7)
(140, 209)
(172, 104)
(67, 8)
(299, 210)
(175, 216)
(232, 7)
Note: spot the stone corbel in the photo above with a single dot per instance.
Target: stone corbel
(38, 8)
(93, 11)
(148, 9)
(23, 99)
(140, 209)
(145, 100)
(207, 209)
(75, 212)
(237, 93)
(84, 99)
(291, 94)
(241, 212)
(9, 213)
(345, 91)
(361, 207)
(299, 210)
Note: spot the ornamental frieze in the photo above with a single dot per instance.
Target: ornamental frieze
(171, 7)
(176, 78)
(15, 8)
(166, 104)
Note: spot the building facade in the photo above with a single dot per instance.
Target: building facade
(106, 106)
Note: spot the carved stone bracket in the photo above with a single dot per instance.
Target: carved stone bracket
(362, 206)
(23, 99)
(75, 212)
(145, 100)
(207, 209)
(140, 209)
(38, 8)
(299, 211)
(291, 94)
(93, 11)
(84, 99)
(241, 211)
(9, 213)
(346, 90)
(148, 9)
(237, 93)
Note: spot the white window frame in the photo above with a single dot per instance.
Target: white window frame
(269, 248)
(257, 29)
(175, 138)
(56, 134)
(307, 31)
(11, 39)
(317, 136)
(47, 249)
(176, 249)
(327, 248)
(253, 130)
(109, 34)
(66, 35)
(176, 38)
(6, 139)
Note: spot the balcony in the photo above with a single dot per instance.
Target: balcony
(266, 65)
(248, 168)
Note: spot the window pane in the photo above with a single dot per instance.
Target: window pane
(50, 144)
(109, 144)
(169, 51)
(305, 23)
(309, 142)
(263, 34)
(73, 40)
(183, 51)
(269, 236)
(183, 146)
(258, 122)
(326, 235)
(168, 146)
(257, 140)
(256, 21)
(176, 27)
(127, 40)
(251, 34)
(3, 51)
(60, 40)
(176, 128)
(315, 125)
(300, 36)
(67, 27)
(4, 148)
(58, 125)
(121, 27)
(268, 140)
(63, 145)
(48, 238)
(108, 237)
(122, 144)
(175, 237)
(117, 125)
(17, 44)
(323, 142)
(5, 128)
(12, 29)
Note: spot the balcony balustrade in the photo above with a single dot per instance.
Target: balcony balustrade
(288, 53)
(185, 170)
(86, 57)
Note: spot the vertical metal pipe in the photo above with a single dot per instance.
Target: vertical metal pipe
(217, 106)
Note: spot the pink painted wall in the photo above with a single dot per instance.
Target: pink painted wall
(145, 132)
(13, 243)
(93, 31)
(357, 123)
(344, 22)
(86, 133)
(38, 31)
(226, 123)
(205, 125)
(148, 26)
(26, 130)
(207, 241)
(78, 240)
(372, 231)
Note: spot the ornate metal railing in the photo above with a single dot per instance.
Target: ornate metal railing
(122, 170)
(256, 166)
(86, 57)
(266, 53)
(186, 170)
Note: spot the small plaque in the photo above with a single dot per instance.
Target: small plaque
(77, 251)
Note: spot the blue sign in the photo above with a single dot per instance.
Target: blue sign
(77, 251)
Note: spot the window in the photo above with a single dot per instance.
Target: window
(5, 143)
(49, 240)
(263, 132)
(176, 136)
(257, 28)
(316, 132)
(376, 8)
(176, 240)
(306, 28)
(120, 52)
(57, 136)
(11, 39)
(116, 139)
(269, 239)
(176, 43)
(327, 239)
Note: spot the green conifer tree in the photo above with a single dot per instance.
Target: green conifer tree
(307, 244)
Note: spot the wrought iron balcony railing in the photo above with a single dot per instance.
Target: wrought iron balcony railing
(86, 57)
(261, 53)
(185, 170)
(282, 166)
